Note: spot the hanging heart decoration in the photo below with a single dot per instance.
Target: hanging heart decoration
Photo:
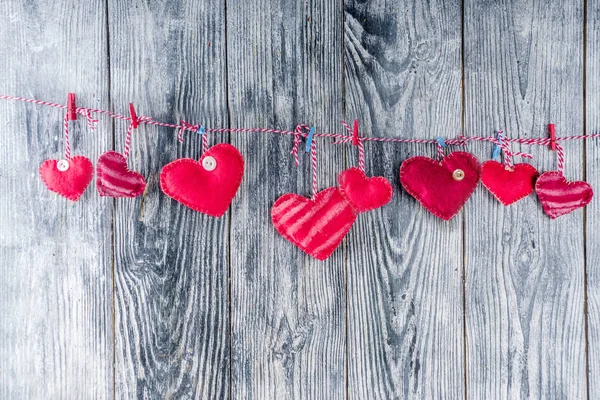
(362, 192)
(208, 185)
(317, 226)
(115, 179)
(507, 184)
(68, 178)
(443, 187)
(560, 196)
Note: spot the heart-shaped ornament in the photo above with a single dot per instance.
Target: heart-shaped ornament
(506, 184)
(114, 179)
(364, 193)
(208, 185)
(317, 226)
(559, 196)
(69, 178)
(441, 187)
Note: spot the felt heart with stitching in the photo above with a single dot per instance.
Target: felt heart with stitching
(559, 196)
(364, 193)
(508, 185)
(317, 226)
(69, 183)
(208, 185)
(114, 179)
(441, 187)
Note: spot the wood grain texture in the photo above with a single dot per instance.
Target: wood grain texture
(405, 329)
(171, 293)
(287, 310)
(55, 261)
(524, 271)
(592, 227)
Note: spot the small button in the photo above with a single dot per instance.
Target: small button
(62, 165)
(458, 174)
(209, 163)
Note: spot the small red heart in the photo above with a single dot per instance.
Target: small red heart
(317, 226)
(69, 183)
(364, 193)
(508, 185)
(114, 179)
(559, 196)
(441, 187)
(208, 185)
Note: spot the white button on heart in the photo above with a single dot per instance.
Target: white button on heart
(62, 165)
(209, 163)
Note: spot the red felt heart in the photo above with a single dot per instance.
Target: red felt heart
(114, 179)
(364, 193)
(438, 185)
(559, 196)
(508, 185)
(317, 226)
(70, 183)
(207, 185)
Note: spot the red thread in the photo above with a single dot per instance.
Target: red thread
(67, 144)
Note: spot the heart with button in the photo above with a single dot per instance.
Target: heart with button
(443, 187)
(69, 178)
(208, 185)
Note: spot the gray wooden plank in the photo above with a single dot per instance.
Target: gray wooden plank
(524, 271)
(405, 317)
(592, 175)
(171, 292)
(55, 279)
(287, 310)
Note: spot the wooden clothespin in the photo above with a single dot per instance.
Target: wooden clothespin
(71, 107)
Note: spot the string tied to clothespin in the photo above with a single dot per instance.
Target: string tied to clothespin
(441, 145)
(135, 122)
(298, 135)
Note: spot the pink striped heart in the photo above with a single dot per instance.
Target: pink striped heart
(317, 226)
(559, 196)
(114, 179)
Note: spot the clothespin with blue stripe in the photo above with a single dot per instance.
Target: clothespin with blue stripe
(497, 149)
(201, 130)
(309, 139)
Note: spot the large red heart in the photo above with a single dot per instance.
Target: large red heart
(208, 185)
(508, 185)
(69, 183)
(317, 226)
(364, 193)
(441, 187)
(559, 196)
(114, 179)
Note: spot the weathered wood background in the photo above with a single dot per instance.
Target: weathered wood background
(147, 299)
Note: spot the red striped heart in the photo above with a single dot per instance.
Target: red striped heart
(208, 185)
(317, 226)
(114, 179)
(508, 185)
(441, 187)
(559, 196)
(69, 183)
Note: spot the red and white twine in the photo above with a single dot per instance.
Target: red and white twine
(300, 132)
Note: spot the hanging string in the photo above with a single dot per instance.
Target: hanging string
(561, 158)
(359, 145)
(67, 143)
(313, 159)
(128, 136)
(339, 138)
(204, 142)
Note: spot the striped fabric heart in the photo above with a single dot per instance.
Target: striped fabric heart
(559, 196)
(317, 226)
(114, 179)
